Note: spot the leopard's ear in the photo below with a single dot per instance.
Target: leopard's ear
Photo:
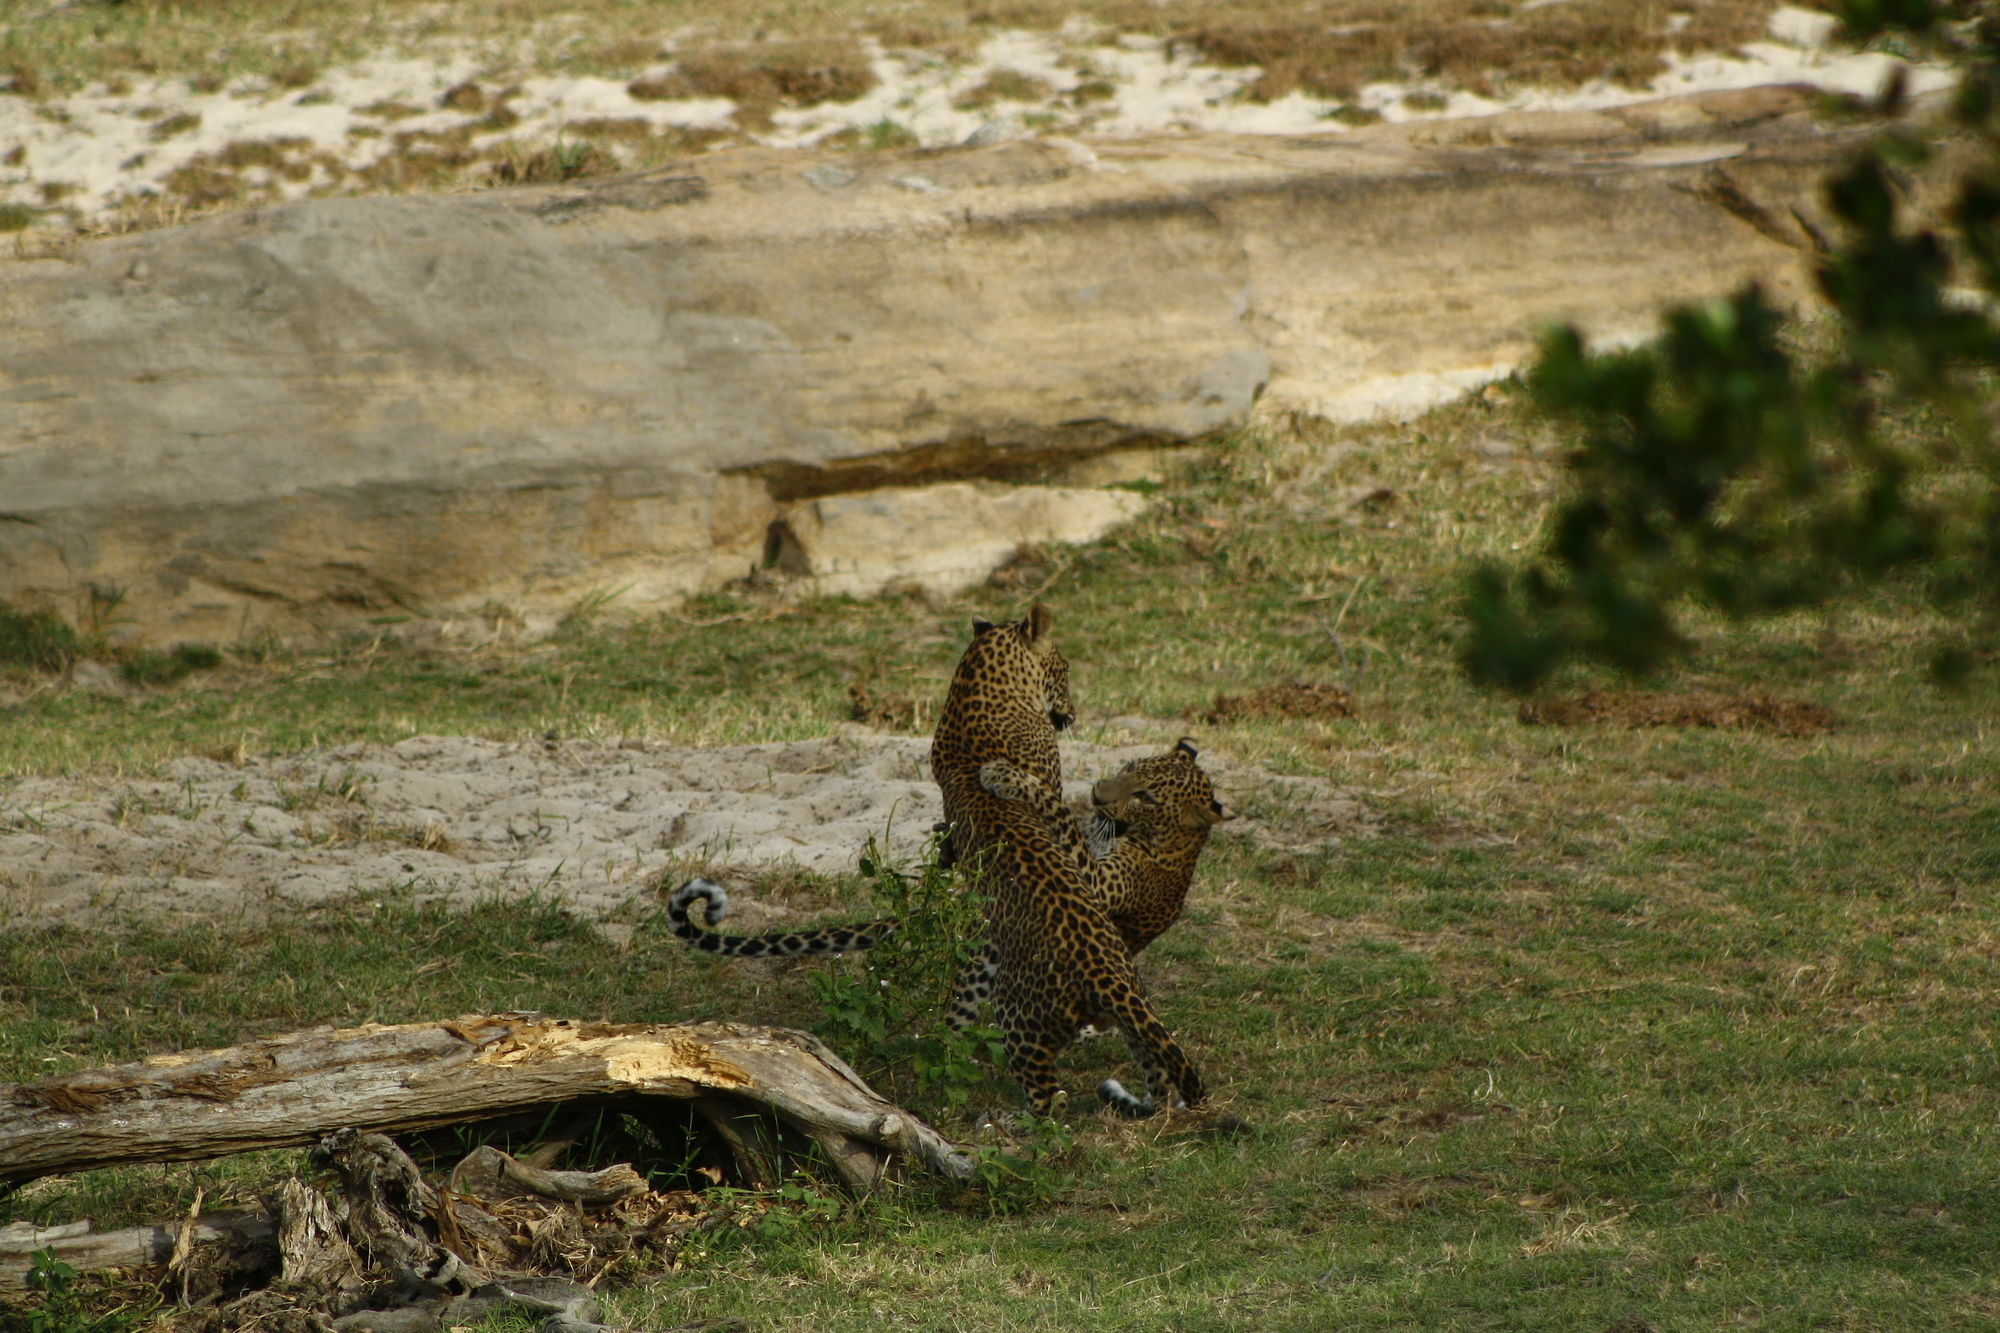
(1186, 746)
(1205, 816)
(1111, 790)
(979, 627)
(1035, 629)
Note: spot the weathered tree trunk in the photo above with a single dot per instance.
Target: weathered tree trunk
(393, 1249)
(291, 1090)
(145, 1247)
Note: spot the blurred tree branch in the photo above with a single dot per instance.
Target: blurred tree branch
(1718, 466)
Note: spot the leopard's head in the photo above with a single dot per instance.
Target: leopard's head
(1022, 653)
(1163, 793)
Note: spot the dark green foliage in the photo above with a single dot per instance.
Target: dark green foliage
(58, 1307)
(38, 639)
(1720, 466)
(155, 667)
(887, 1014)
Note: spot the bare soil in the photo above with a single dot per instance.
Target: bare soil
(1299, 699)
(1736, 712)
(461, 818)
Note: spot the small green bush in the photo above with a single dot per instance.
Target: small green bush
(37, 639)
(889, 1012)
(63, 1309)
(150, 666)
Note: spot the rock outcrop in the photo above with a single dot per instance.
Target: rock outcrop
(296, 419)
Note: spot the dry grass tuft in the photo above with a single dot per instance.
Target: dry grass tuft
(1478, 47)
(889, 712)
(1300, 57)
(179, 123)
(1003, 85)
(561, 161)
(280, 155)
(295, 76)
(467, 97)
(202, 185)
(389, 110)
(762, 77)
(23, 81)
(632, 128)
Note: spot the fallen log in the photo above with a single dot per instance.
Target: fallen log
(292, 1090)
(141, 1248)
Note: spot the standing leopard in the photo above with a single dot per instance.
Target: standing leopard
(1147, 827)
(1149, 823)
(1014, 682)
(1060, 962)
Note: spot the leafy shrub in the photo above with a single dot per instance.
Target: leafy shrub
(1718, 466)
(62, 1308)
(892, 1007)
(39, 639)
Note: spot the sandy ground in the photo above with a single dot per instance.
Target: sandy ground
(462, 819)
(80, 159)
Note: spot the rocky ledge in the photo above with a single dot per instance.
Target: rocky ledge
(293, 420)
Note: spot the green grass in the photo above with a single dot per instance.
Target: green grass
(1688, 1027)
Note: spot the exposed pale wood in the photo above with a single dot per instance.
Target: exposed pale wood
(134, 1247)
(488, 1173)
(291, 1090)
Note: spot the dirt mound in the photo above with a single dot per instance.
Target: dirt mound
(1298, 700)
(1754, 711)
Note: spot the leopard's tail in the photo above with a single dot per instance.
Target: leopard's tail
(832, 940)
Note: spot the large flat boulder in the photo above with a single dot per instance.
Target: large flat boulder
(295, 419)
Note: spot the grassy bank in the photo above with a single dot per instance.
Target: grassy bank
(1684, 1025)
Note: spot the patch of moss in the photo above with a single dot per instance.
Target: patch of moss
(151, 666)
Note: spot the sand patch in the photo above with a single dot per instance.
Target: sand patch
(461, 819)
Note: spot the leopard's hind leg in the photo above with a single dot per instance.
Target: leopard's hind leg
(1031, 1060)
(973, 987)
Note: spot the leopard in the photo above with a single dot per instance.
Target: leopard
(1057, 961)
(1065, 966)
(1145, 831)
(1146, 828)
(1053, 961)
(1010, 682)
(1149, 824)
